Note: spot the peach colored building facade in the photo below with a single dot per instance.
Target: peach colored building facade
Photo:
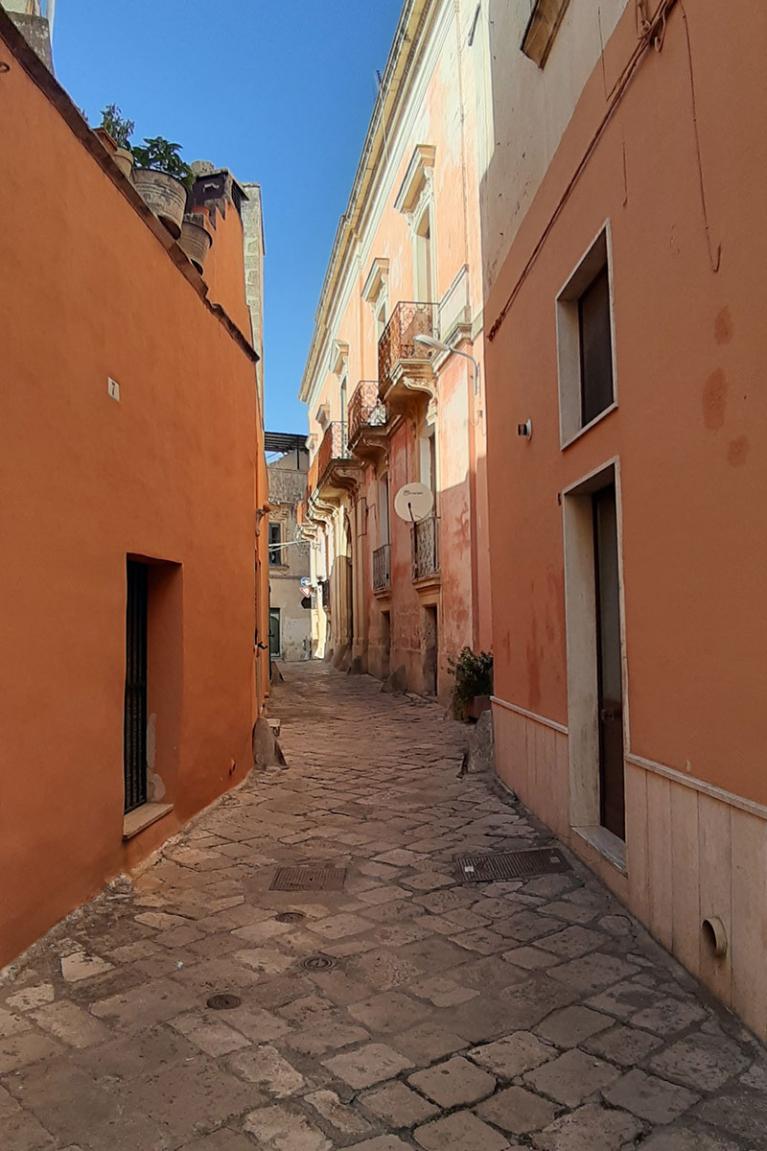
(132, 471)
(394, 598)
(624, 252)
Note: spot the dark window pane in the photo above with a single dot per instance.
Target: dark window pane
(275, 538)
(596, 348)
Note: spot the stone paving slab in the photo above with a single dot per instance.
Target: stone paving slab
(432, 1014)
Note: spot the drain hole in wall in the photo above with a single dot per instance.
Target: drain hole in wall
(715, 936)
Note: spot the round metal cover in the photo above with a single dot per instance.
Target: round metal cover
(318, 963)
(224, 1002)
(290, 917)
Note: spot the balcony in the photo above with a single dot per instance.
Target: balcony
(382, 569)
(336, 471)
(368, 419)
(426, 550)
(404, 367)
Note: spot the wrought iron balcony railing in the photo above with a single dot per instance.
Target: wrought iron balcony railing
(365, 409)
(425, 548)
(382, 568)
(334, 446)
(397, 342)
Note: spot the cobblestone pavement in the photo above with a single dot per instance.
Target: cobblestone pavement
(407, 1010)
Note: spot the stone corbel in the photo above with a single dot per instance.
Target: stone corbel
(416, 187)
(339, 358)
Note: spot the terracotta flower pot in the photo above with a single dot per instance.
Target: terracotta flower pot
(479, 704)
(164, 194)
(123, 158)
(195, 241)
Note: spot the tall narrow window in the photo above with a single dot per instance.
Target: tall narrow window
(275, 544)
(424, 274)
(585, 342)
(383, 510)
(596, 349)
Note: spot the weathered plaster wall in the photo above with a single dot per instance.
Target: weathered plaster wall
(287, 485)
(442, 106)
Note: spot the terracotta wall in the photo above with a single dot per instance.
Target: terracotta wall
(225, 265)
(90, 290)
(688, 438)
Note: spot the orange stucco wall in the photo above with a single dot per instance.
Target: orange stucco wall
(88, 291)
(689, 428)
(688, 437)
(225, 266)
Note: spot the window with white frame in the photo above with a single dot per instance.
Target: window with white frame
(415, 200)
(585, 345)
(424, 257)
(383, 509)
(275, 545)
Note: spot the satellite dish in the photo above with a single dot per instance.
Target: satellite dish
(414, 502)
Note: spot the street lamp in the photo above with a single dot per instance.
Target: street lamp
(439, 346)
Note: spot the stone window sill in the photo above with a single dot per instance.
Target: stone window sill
(143, 817)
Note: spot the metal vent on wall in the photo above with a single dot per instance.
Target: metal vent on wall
(310, 878)
(512, 865)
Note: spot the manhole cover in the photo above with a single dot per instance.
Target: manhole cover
(224, 1002)
(309, 878)
(512, 865)
(317, 963)
(290, 917)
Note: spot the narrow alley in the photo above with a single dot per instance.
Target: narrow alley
(399, 1007)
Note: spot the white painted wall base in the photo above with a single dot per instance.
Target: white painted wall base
(692, 852)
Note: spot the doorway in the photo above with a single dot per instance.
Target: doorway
(135, 710)
(430, 649)
(609, 687)
(385, 643)
(595, 658)
(274, 633)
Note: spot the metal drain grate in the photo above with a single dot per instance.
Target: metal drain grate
(309, 878)
(512, 865)
(290, 917)
(317, 963)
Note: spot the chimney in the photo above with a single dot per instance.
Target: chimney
(34, 19)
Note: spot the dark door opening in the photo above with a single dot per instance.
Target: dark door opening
(430, 650)
(135, 719)
(274, 632)
(609, 678)
(385, 643)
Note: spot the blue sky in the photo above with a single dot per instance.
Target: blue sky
(280, 91)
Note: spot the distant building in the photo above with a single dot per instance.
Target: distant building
(389, 403)
(290, 597)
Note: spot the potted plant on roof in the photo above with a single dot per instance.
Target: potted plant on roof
(162, 179)
(473, 672)
(115, 132)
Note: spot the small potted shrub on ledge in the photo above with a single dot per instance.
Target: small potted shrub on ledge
(162, 180)
(115, 131)
(473, 673)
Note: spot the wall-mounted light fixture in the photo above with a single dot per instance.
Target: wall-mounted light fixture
(525, 430)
